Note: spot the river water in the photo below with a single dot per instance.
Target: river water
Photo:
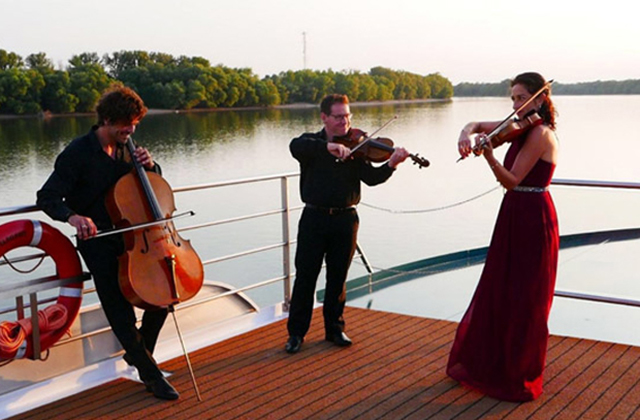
(418, 213)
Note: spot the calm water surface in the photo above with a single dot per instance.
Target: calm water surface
(597, 141)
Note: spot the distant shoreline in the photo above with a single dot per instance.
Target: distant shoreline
(48, 115)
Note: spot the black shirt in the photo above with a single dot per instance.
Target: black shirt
(327, 182)
(83, 175)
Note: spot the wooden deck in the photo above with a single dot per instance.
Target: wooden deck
(394, 370)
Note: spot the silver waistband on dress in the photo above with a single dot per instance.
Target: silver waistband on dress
(523, 188)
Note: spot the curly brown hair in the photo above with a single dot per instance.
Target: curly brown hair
(533, 82)
(121, 105)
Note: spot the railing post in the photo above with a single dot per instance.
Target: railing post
(19, 307)
(35, 325)
(286, 239)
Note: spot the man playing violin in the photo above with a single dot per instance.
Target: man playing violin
(330, 188)
(75, 193)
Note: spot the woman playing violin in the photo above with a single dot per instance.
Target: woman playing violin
(500, 344)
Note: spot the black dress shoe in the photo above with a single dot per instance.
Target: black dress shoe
(339, 339)
(161, 388)
(293, 344)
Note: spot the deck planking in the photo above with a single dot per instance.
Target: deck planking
(395, 370)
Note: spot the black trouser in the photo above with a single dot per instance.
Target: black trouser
(322, 235)
(101, 257)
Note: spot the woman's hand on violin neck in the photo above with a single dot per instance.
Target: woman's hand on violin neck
(483, 147)
(338, 150)
(144, 157)
(399, 155)
(464, 144)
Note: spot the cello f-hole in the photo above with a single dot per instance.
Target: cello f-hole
(145, 249)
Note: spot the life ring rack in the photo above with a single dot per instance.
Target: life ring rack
(16, 340)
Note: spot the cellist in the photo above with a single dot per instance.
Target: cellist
(83, 174)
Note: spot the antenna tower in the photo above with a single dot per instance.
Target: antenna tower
(304, 50)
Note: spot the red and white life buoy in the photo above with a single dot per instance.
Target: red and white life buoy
(56, 319)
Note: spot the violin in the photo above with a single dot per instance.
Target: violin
(158, 268)
(377, 149)
(509, 132)
(508, 129)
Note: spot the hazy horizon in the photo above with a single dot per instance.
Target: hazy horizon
(465, 41)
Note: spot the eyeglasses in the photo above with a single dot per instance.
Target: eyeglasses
(341, 116)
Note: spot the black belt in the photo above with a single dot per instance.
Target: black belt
(330, 210)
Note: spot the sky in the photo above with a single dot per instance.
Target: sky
(463, 40)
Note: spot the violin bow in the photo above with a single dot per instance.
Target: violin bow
(506, 121)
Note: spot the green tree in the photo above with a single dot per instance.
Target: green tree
(85, 59)
(10, 60)
(119, 62)
(347, 84)
(55, 94)
(20, 91)
(406, 86)
(164, 81)
(169, 95)
(195, 95)
(140, 80)
(245, 81)
(213, 94)
(162, 58)
(368, 88)
(88, 80)
(267, 93)
(40, 63)
(441, 87)
(424, 88)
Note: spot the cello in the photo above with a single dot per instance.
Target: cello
(158, 268)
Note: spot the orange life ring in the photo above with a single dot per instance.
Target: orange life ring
(15, 341)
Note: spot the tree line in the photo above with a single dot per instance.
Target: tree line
(606, 87)
(32, 85)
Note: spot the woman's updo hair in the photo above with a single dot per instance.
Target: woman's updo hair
(533, 82)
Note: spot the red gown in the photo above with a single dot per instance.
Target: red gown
(501, 343)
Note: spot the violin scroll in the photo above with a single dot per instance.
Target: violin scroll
(419, 160)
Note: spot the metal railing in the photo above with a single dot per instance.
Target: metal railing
(596, 184)
(35, 286)
(285, 210)
(449, 260)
